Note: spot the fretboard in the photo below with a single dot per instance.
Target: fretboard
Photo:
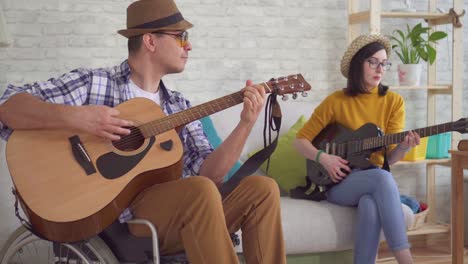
(377, 142)
(172, 121)
(291, 84)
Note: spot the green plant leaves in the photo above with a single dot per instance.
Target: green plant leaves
(431, 54)
(415, 44)
(438, 35)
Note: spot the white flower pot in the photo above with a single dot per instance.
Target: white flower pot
(409, 74)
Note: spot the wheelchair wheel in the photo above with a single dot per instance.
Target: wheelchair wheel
(24, 247)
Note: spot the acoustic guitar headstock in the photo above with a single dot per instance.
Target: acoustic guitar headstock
(291, 84)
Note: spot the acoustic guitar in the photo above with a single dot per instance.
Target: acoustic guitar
(357, 146)
(72, 185)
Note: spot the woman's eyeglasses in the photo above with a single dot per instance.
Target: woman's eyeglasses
(375, 63)
(181, 38)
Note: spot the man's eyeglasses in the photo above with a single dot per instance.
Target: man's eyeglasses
(181, 38)
(375, 63)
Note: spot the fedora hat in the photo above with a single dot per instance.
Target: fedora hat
(359, 43)
(145, 16)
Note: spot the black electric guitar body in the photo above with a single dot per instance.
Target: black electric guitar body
(358, 145)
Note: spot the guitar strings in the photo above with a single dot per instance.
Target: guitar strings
(138, 135)
(203, 107)
(380, 141)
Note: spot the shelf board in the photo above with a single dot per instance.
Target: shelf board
(430, 228)
(418, 15)
(435, 18)
(443, 88)
(425, 161)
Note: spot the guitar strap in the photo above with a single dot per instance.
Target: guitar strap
(385, 165)
(250, 166)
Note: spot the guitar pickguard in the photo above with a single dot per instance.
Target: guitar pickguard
(112, 165)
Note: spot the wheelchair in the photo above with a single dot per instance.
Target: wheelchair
(115, 245)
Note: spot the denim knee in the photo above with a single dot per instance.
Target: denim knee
(368, 207)
(385, 183)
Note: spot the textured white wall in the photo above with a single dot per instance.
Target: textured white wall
(233, 40)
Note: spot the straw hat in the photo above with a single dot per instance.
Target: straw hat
(359, 43)
(145, 16)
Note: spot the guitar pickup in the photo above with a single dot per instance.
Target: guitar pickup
(81, 155)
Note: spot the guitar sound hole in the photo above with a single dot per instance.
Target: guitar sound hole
(130, 142)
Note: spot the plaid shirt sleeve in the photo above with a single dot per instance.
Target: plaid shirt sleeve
(71, 89)
(197, 148)
(196, 145)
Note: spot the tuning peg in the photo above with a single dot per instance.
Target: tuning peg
(285, 97)
(294, 96)
(304, 94)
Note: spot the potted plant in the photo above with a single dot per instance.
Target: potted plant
(412, 46)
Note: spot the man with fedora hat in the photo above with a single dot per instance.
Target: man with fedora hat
(188, 213)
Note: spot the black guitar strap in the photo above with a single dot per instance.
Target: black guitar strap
(273, 121)
(385, 165)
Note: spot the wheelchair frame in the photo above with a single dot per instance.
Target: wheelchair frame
(96, 246)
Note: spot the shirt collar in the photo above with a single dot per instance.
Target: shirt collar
(166, 94)
(374, 90)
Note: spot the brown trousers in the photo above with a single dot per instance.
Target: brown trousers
(190, 215)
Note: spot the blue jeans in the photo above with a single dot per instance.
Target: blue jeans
(375, 194)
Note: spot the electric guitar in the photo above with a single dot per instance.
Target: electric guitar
(72, 185)
(357, 146)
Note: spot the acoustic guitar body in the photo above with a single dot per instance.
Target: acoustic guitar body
(64, 198)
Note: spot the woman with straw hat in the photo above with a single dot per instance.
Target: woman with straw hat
(373, 191)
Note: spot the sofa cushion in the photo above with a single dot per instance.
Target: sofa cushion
(287, 166)
(310, 226)
(226, 120)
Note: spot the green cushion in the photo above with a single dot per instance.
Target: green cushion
(287, 166)
(215, 140)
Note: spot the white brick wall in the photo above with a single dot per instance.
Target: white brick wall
(233, 40)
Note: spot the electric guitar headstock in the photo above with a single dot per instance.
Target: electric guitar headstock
(461, 125)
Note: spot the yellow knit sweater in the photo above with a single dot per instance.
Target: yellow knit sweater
(387, 112)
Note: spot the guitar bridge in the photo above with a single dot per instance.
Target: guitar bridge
(81, 155)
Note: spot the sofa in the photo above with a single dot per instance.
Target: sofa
(314, 232)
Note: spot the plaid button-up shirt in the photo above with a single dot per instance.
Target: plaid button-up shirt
(110, 86)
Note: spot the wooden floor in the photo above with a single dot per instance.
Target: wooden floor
(424, 255)
(428, 250)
